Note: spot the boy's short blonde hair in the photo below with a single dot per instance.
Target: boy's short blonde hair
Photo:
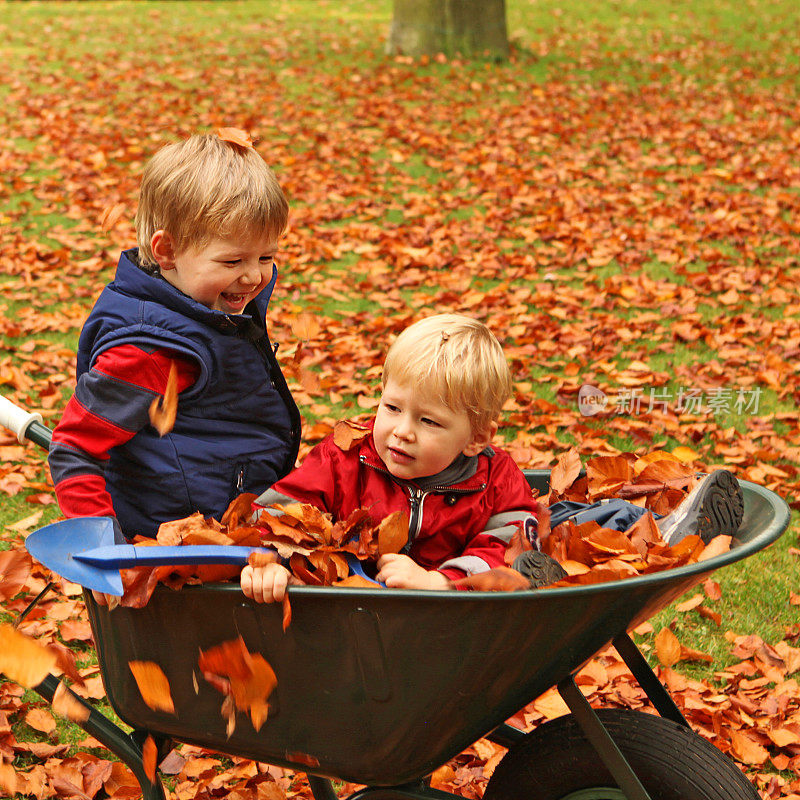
(458, 360)
(206, 187)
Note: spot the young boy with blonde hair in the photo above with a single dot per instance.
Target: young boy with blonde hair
(192, 296)
(428, 452)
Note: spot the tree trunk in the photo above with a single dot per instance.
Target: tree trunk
(465, 27)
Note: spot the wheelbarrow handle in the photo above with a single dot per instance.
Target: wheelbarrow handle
(121, 556)
(26, 425)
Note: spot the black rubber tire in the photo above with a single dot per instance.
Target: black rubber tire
(556, 762)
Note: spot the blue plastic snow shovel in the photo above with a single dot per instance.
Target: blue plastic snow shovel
(83, 551)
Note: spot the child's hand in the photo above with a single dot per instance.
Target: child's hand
(400, 572)
(265, 584)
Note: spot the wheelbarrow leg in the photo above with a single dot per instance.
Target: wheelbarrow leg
(321, 788)
(599, 738)
(113, 737)
(646, 678)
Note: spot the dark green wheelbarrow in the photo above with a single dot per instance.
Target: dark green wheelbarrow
(381, 687)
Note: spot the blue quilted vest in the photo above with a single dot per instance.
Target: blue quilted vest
(237, 428)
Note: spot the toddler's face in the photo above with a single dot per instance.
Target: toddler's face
(225, 274)
(417, 436)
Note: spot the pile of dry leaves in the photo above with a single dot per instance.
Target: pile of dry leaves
(589, 553)
(316, 548)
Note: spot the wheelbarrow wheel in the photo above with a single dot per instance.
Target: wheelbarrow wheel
(556, 762)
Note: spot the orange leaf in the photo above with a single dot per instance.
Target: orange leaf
(179, 531)
(685, 454)
(163, 410)
(306, 325)
(287, 612)
(278, 529)
(329, 566)
(357, 582)
(574, 567)
(689, 604)
(717, 546)
(9, 782)
(260, 558)
(784, 737)
(707, 613)
(153, 685)
(22, 659)
(668, 648)
(442, 776)
(607, 541)
(393, 533)
(40, 720)
(746, 750)
(15, 566)
(566, 470)
(68, 705)
(689, 654)
(245, 677)
(650, 458)
(235, 136)
(111, 215)
(240, 508)
(347, 433)
(150, 758)
(499, 579)
(607, 474)
(310, 519)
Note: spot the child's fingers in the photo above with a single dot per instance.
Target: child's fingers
(265, 584)
(246, 581)
(390, 569)
(279, 583)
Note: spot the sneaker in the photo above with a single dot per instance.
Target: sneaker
(713, 508)
(539, 568)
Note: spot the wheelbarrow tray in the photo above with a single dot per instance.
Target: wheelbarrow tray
(381, 687)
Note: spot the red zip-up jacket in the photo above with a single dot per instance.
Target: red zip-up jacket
(458, 528)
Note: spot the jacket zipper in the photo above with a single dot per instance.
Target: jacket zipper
(416, 500)
(416, 497)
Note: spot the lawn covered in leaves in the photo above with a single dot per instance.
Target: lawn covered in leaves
(620, 203)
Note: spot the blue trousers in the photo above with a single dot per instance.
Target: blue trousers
(616, 514)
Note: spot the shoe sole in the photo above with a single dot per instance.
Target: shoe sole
(539, 568)
(722, 507)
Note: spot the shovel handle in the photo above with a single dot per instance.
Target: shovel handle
(121, 556)
(24, 424)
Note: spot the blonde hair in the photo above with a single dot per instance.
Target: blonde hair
(458, 360)
(204, 187)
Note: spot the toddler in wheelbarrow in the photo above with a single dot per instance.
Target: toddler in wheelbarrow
(196, 298)
(428, 451)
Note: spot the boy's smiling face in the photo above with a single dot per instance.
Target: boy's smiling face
(225, 274)
(416, 435)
